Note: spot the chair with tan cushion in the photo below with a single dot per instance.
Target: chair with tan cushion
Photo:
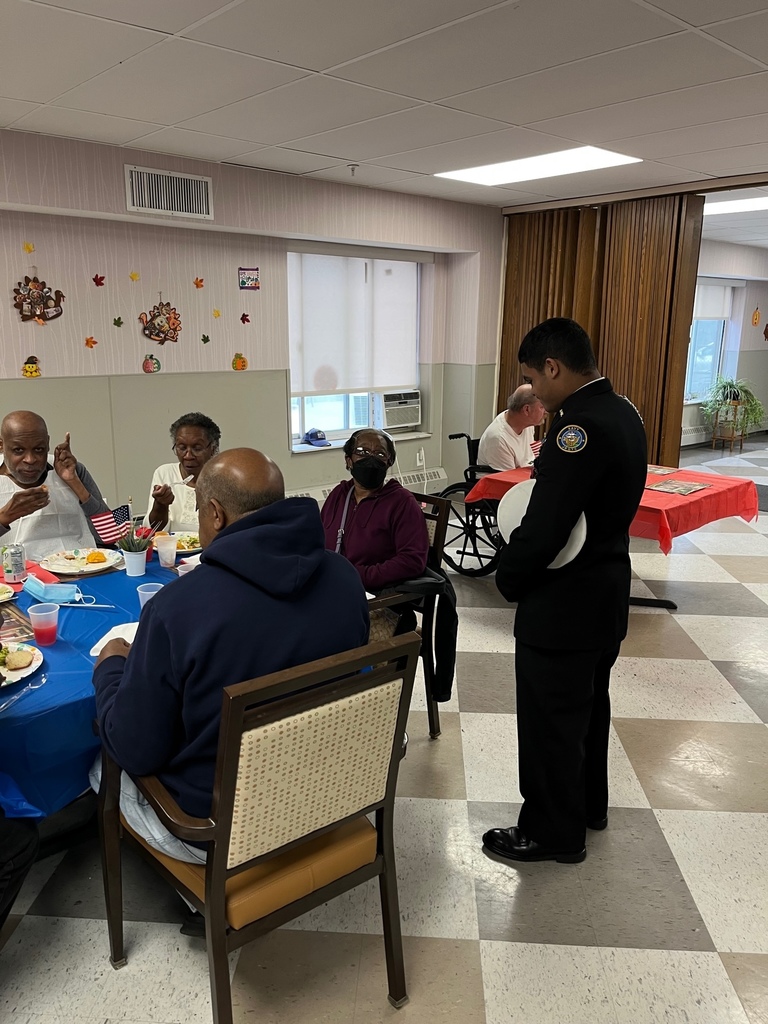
(304, 755)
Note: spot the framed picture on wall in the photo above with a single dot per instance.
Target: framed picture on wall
(249, 278)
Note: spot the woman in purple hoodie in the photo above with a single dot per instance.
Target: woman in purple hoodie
(378, 526)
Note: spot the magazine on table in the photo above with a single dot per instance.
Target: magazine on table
(676, 487)
(14, 627)
(661, 470)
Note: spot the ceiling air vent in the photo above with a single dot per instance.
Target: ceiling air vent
(174, 195)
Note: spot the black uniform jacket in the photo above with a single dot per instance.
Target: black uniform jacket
(594, 460)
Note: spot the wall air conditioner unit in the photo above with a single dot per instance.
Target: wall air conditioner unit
(148, 190)
(395, 410)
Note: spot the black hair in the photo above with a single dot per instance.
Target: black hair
(351, 443)
(558, 338)
(197, 419)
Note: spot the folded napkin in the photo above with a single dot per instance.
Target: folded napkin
(125, 632)
(35, 570)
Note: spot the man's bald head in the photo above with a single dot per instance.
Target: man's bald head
(521, 397)
(22, 422)
(24, 442)
(232, 485)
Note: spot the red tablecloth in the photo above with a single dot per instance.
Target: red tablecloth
(661, 516)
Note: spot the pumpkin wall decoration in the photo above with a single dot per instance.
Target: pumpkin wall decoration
(239, 362)
(36, 301)
(31, 367)
(162, 323)
(151, 363)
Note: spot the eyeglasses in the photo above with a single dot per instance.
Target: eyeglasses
(193, 449)
(366, 452)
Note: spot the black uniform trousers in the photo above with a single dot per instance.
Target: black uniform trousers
(18, 849)
(563, 725)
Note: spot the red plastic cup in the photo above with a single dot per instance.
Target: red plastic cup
(45, 621)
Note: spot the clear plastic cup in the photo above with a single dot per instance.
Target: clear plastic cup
(45, 622)
(147, 590)
(186, 567)
(166, 551)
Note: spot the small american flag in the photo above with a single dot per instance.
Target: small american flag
(536, 448)
(110, 526)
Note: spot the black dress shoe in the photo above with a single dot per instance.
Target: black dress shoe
(598, 824)
(194, 925)
(511, 844)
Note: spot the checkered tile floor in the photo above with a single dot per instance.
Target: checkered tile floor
(666, 920)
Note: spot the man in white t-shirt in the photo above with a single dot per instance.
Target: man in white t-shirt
(506, 443)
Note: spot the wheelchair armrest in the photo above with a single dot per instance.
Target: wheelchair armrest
(471, 472)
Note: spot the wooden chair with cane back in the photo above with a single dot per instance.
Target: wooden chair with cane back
(304, 755)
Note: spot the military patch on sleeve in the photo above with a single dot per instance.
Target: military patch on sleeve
(572, 439)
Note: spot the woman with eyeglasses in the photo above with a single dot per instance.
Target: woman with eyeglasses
(172, 498)
(375, 523)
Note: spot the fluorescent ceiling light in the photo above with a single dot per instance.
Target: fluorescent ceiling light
(548, 165)
(736, 206)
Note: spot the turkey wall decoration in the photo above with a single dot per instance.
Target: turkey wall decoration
(36, 301)
(162, 323)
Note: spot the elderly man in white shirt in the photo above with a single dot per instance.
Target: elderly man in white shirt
(46, 502)
(507, 442)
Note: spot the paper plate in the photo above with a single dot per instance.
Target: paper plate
(73, 563)
(13, 676)
(512, 508)
(6, 593)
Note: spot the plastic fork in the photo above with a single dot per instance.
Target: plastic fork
(35, 684)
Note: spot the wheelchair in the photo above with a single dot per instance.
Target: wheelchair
(472, 541)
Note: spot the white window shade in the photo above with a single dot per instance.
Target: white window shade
(712, 302)
(352, 323)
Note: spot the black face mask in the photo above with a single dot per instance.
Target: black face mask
(369, 472)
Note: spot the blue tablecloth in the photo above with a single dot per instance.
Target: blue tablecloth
(47, 743)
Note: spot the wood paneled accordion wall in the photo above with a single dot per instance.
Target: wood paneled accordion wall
(627, 273)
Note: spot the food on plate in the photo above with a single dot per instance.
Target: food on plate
(96, 556)
(3, 655)
(187, 541)
(82, 560)
(18, 659)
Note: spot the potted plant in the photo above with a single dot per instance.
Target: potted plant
(732, 407)
(135, 546)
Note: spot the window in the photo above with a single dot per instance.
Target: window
(353, 329)
(704, 355)
(712, 308)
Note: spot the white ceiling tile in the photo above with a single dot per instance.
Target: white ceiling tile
(738, 193)
(675, 62)
(740, 131)
(167, 15)
(329, 32)
(196, 145)
(490, 196)
(629, 178)
(82, 124)
(10, 110)
(288, 160)
(397, 133)
(302, 108)
(703, 12)
(426, 185)
(177, 80)
(700, 105)
(495, 147)
(750, 34)
(81, 47)
(525, 36)
(739, 160)
(365, 174)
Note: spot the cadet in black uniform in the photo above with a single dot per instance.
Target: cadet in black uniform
(570, 621)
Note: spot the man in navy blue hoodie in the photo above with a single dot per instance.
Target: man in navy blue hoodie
(266, 596)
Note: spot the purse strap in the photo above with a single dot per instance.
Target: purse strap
(340, 534)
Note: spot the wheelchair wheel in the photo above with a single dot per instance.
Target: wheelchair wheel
(472, 542)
